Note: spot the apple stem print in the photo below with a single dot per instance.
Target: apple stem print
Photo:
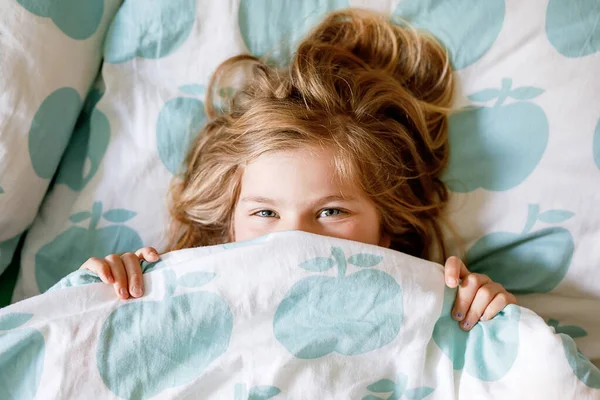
(191, 329)
(348, 314)
(397, 390)
(530, 261)
(255, 393)
(21, 369)
(59, 258)
(505, 141)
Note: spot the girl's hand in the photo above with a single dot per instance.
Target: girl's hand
(478, 297)
(123, 272)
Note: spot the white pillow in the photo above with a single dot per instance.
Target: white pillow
(50, 52)
(522, 164)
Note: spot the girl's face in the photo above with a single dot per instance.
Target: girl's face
(296, 190)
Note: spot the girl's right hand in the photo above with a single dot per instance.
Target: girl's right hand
(123, 272)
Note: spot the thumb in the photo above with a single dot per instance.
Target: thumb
(454, 270)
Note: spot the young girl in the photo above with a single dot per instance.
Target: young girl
(348, 141)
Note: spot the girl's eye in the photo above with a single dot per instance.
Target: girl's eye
(331, 212)
(265, 213)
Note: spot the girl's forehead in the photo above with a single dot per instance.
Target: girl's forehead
(298, 171)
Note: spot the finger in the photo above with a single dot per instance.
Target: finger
(454, 270)
(466, 293)
(483, 298)
(118, 270)
(134, 274)
(100, 267)
(501, 300)
(147, 253)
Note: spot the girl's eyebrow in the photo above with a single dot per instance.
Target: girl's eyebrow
(258, 199)
(323, 200)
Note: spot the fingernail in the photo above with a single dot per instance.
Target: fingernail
(458, 315)
(482, 318)
(123, 292)
(451, 282)
(465, 324)
(136, 290)
(110, 279)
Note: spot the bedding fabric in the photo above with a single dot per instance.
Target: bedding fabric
(524, 170)
(50, 53)
(289, 315)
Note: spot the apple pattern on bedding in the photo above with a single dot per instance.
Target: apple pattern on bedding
(22, 354)
(62, 12)
(467, 29)
(191, 329)
(496, 148)
(398, 390)
(148, 29)
(530, 261)
(349, 314)
(572, 27)
(87, 145)
(51, 129)
(70, 249)
(274, 28)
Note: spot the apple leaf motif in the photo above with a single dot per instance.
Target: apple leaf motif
(263, 392)
(1, 190)
(484, 95)
(195, 279)
(13, 320)
(572, 330)
(193, 89)
(555, 216)
(118, 215)
(398, 389)
(318, 264)
(382, 386)
(364, 260)
(80, 216)
(525, 93)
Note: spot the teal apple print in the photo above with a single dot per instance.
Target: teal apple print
(496, 148)
(583, 369)
(255, 393)
(74, 246)
(467, 29)
(179, 122)
(7, 249)
(273, 29)
(397, 390)
(146, 347)
(148, 29)
(573, 331)
(349, 314)
(51, 129)
(486, 352)
(572, 27)
(526, 262)
(77, 19)
(1, 190)
(21, 357)
(86, 147)
(596, 148)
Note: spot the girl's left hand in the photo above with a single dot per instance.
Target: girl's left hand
(478, 297)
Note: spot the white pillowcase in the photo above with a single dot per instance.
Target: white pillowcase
(50, 52)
